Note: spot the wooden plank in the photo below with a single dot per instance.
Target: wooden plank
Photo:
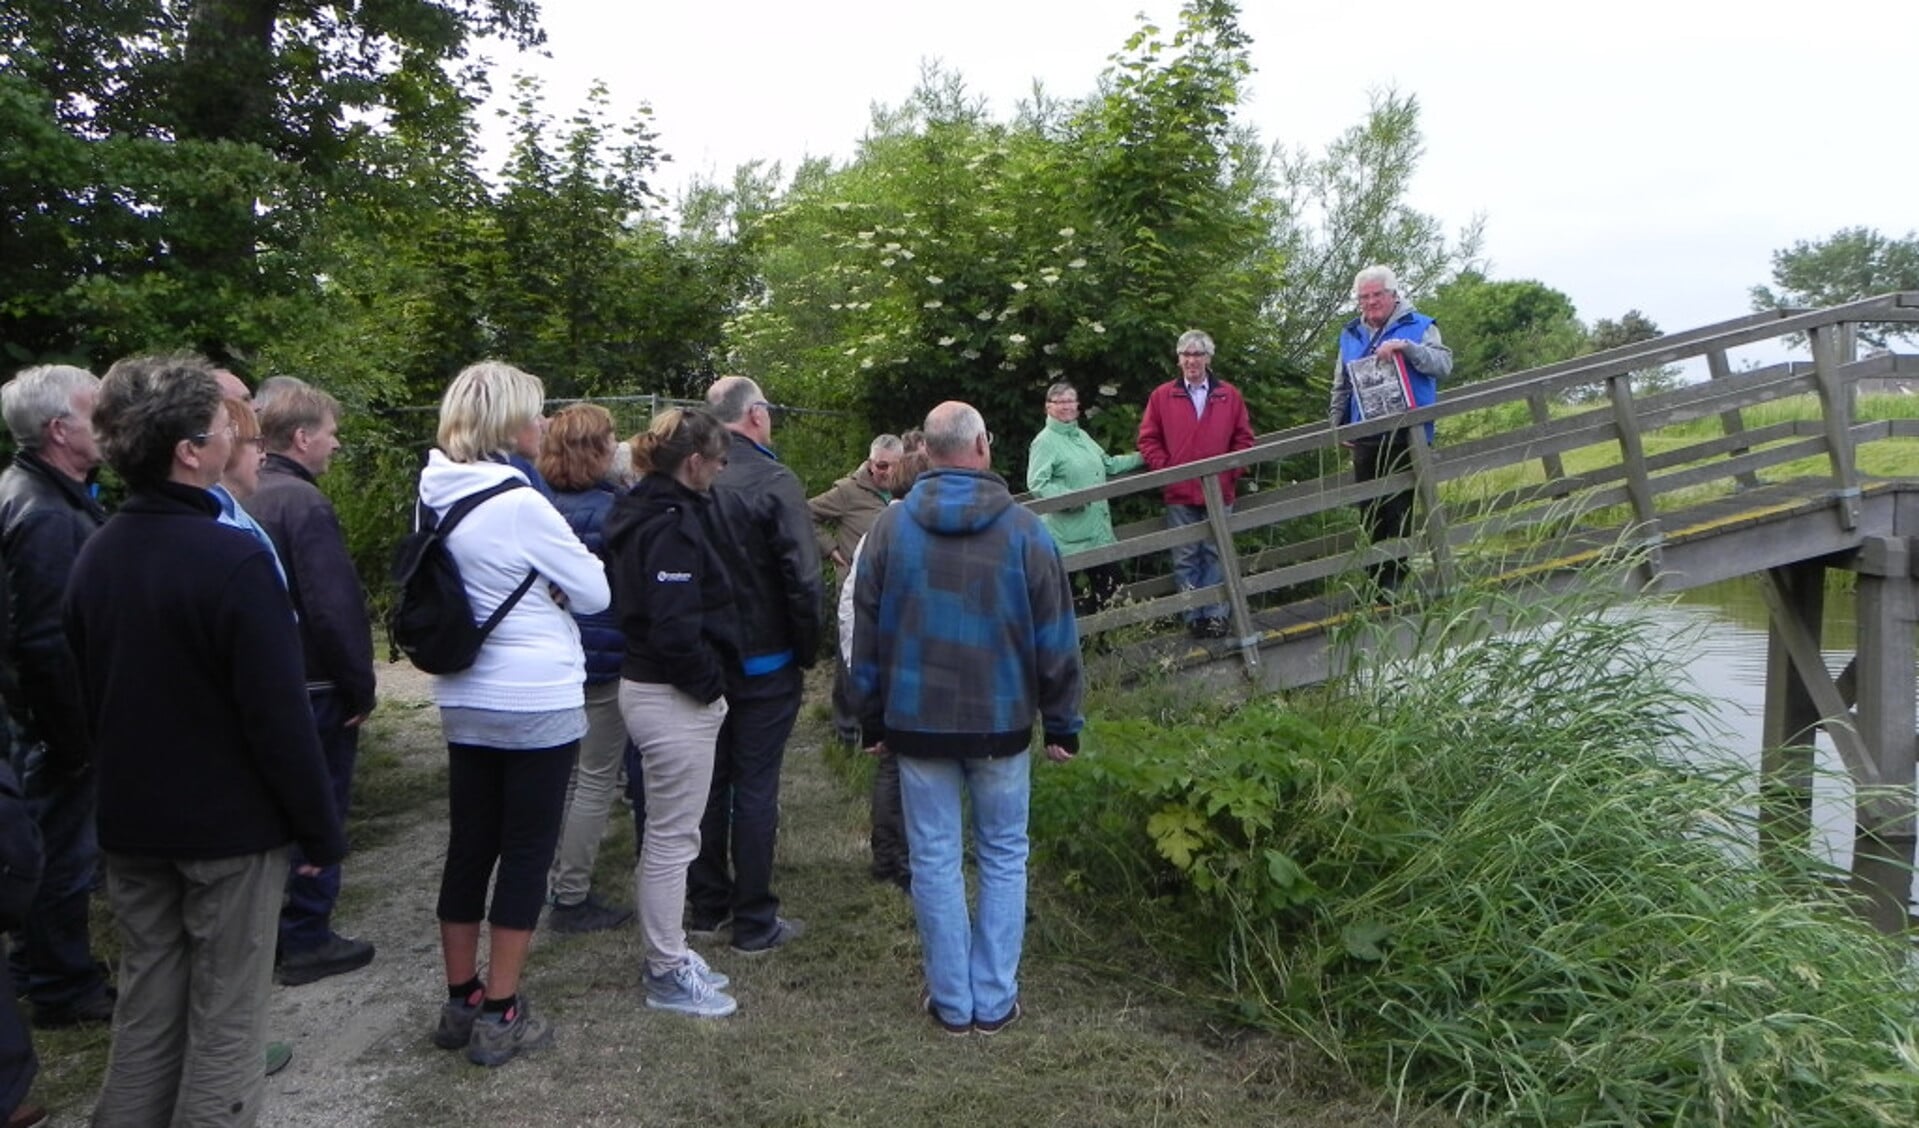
(1243, 636)
(1550, 462)
(1730, 420)
(1885, 833)
(1794, 622)
(1633, 457)
(1835, 406)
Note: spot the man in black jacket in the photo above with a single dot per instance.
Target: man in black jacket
(764, 532)
(301, 424)
(20, 862)
(47, 513)
(208, 766)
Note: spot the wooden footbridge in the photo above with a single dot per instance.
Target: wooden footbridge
(1540, 473)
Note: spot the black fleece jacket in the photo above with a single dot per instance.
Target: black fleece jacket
(194, 688)
(676, 603)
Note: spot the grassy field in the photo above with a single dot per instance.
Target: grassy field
(1892, 458)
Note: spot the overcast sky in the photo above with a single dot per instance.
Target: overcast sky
(1640, 154)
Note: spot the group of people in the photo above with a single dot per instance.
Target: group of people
(1199, 416)
(191, 676)
(188, 678)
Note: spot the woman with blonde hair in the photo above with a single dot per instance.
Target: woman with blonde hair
(576, 459)
(676, 610)
(513, 720)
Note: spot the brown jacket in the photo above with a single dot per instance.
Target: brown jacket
(842, 514)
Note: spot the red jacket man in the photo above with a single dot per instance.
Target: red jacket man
(1197, 416)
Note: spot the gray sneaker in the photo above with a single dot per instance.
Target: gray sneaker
(496, 1043)
(685, 991)
(784, 932)
(456, 1024)
(589, 915)
(714, 979)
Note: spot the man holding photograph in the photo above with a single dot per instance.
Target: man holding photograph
(1388, 327)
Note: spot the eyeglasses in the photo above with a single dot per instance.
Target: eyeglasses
(1064, 403)
(760, 403)
(205, 437)
(1373, 295)
(1195, 353)
(259, 441)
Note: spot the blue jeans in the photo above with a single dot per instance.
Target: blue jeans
(306, 921)
(1195, 565)
(972, 966)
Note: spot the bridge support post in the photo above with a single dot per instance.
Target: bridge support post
(1888, 721)
(1797, 599)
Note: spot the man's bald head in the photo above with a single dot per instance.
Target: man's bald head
(956, 436)
(231, 386)
(740, 405)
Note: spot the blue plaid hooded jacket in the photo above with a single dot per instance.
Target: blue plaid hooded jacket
(963, 624)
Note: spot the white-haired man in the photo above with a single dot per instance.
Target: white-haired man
(47, 513)
(1193, 417)
(764, 533)
(1387, 326)
(841, 515)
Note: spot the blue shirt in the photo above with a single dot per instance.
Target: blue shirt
(231, 513)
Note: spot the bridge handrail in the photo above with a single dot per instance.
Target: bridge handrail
(1619, 416)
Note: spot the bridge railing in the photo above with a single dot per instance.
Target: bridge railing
(1566, 444)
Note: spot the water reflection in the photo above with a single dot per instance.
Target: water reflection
(1720, 633)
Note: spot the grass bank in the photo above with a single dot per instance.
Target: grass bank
(1499, 876)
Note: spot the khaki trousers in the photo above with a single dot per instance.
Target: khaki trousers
(196, 967)
(675, 735)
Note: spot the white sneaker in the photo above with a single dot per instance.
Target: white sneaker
(715, 979)
(685, 990)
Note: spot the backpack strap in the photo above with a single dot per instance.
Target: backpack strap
(456, 513)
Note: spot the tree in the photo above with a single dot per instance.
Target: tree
(182, 151)
(1632, 328)
(1495, 328)
(957, 255)
(1848, 265)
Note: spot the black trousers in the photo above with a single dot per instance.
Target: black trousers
(734, 870)
(1389, 517)
(504, 806)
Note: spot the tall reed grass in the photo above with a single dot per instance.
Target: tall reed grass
(1493, 873)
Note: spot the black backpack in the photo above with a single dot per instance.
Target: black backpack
(432, 619)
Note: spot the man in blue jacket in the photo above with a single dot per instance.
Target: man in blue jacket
(1387, 326)
(964, 631)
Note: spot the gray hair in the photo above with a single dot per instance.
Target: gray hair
(731, 397)
(952, 427)
(1195, 340)
(37, 396)
(1060, 389)
(148, 404)
(291, 405)
(1388, 281)
(885, 444)
(272, 387)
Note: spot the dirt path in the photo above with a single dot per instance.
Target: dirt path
(353, 1034)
